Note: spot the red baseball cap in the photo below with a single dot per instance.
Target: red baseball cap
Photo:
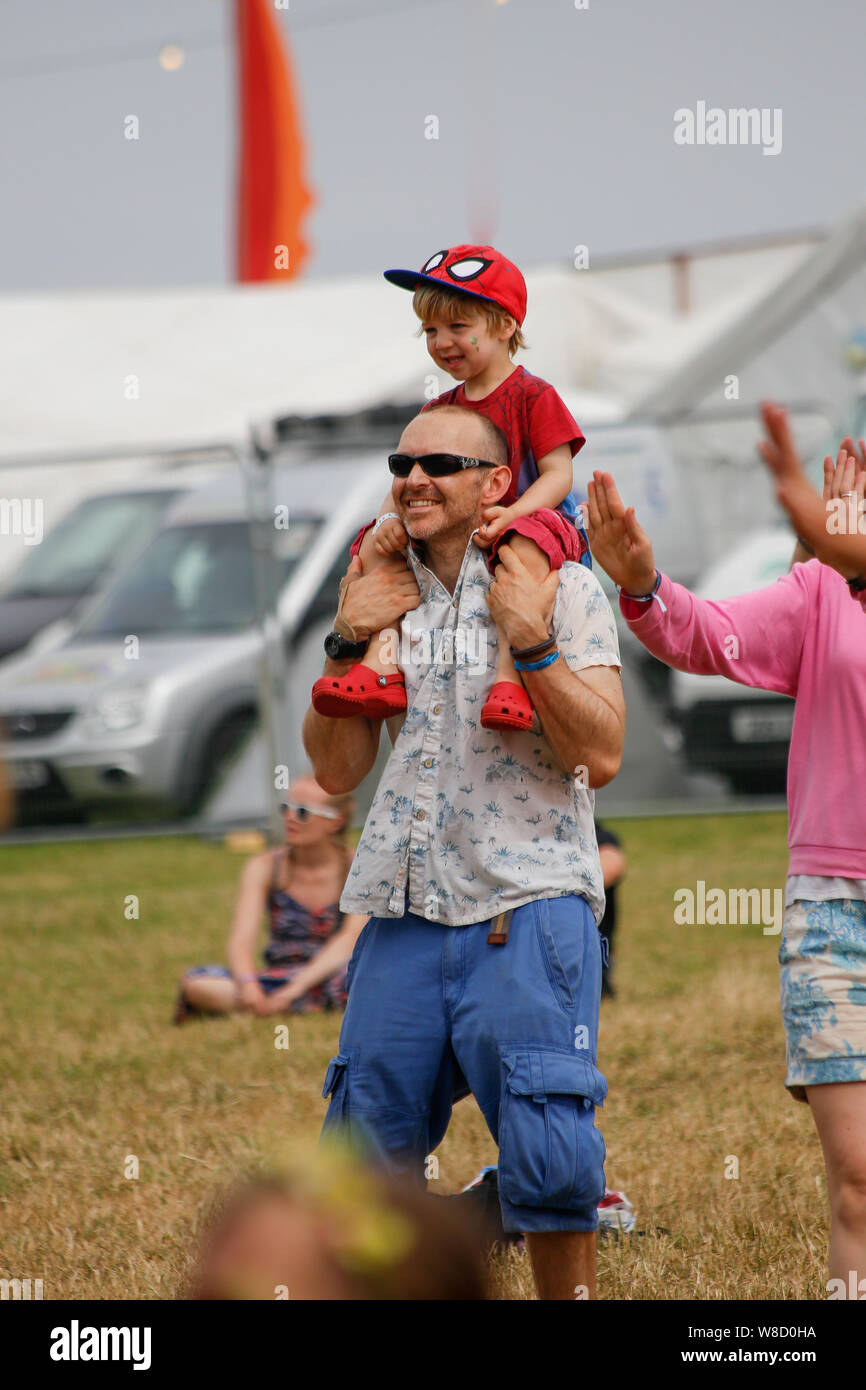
(480, 271)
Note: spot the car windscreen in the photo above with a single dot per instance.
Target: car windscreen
(195, 578)
(79, 550)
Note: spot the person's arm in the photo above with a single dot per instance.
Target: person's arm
(327, 961)
(551, 487)
(343, 751)
(582, 712)
(612, 864)
(582, 716)
(249, 907)
(755, 639)
(802, 554)
(834, 527)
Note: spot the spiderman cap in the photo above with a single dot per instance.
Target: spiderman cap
(480, 271)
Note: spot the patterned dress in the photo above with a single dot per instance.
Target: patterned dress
(296, 935)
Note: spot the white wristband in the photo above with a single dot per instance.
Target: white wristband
(645, 598)
(386, 516)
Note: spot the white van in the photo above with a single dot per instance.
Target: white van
(722, 726)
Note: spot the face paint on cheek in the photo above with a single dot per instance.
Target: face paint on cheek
(474, 342)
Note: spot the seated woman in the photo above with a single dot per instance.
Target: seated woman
(310, 940)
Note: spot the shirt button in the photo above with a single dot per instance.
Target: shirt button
(428, 762)
(419, 815)
(436, 709)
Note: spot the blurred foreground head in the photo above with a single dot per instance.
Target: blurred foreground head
(337, 1228)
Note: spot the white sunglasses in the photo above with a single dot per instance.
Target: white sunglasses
(304, 812)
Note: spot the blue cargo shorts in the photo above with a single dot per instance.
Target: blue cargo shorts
(435, 1012)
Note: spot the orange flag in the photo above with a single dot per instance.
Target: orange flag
(273, 197)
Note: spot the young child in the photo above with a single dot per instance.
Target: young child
(471, 302)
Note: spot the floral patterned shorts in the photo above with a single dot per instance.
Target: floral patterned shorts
(823, 990)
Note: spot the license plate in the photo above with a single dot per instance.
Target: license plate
(761, 725)
(26, 775)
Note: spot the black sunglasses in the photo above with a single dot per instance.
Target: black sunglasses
(434, 465)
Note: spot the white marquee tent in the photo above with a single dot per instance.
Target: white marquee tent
(803, 338)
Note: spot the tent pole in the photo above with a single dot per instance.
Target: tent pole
(256, 468)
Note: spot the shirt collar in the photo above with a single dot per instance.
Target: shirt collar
(427, 578)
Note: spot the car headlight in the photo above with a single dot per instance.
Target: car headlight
(116, 711)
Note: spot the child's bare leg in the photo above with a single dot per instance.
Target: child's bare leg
(508, 705)
(535, 560)
(381, 645)
(374, 686)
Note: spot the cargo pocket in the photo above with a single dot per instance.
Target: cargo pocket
(550, 1153)
(336, 1087)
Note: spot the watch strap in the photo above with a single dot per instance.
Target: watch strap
(341, 627)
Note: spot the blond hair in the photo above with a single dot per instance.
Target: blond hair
(344, 802)
(431, 301)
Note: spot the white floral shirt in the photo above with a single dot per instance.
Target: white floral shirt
(466, 821)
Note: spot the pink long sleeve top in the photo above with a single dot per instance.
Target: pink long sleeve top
(803, 636)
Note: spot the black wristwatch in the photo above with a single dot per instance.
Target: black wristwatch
(339, 648)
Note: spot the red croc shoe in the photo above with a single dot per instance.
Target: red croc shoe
(507, 707)
(361, 691)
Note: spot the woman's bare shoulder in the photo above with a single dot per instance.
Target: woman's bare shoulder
(259, 867)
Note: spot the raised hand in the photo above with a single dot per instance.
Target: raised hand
(616, 538)
(859, 453)
(793, 489)
(835, 525)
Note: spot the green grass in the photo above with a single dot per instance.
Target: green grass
(93, 1073)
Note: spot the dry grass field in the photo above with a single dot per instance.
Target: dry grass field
(93, 1073)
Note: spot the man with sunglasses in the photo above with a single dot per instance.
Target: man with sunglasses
(480, 967)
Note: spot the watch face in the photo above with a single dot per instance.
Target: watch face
(337, 647)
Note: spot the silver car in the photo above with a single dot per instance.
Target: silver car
(159, 682)
(76, 557)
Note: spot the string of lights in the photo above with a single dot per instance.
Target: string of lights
(147, 51)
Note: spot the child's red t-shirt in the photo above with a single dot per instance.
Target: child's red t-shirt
(533, 419)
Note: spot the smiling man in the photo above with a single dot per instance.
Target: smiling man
(480, 966)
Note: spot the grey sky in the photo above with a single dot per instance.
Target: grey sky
(555, 128)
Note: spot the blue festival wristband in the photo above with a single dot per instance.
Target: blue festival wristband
(537, 665)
